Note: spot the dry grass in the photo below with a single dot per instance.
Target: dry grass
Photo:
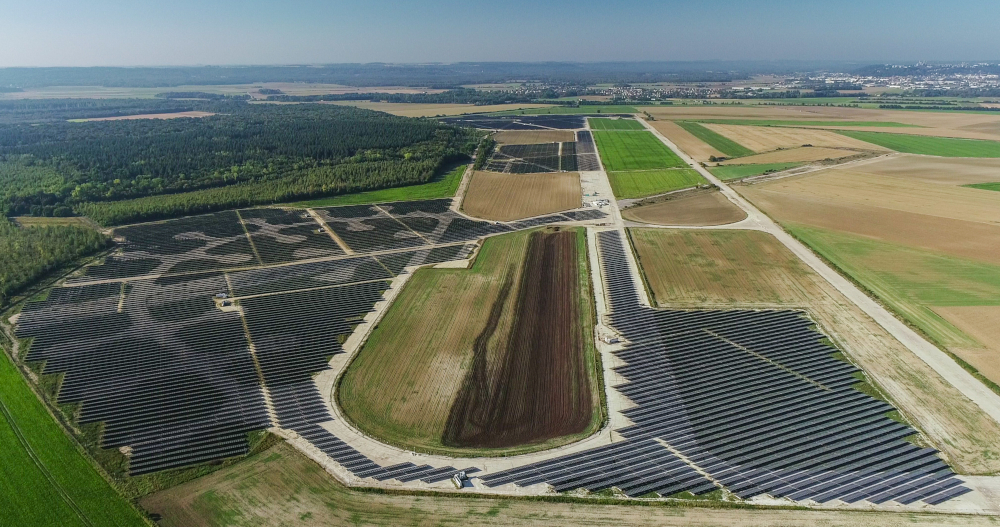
(531, 137)
(793, 155)
(431, 110)
(768, 138)
(691, 208)
(32, 221)
(687, 142)
(983, 324)
(941, 170)
(282, 487)
(506, 197)
(748, 268)
(175, 115)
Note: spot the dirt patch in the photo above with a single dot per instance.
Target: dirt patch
(697, 208)
(175, 115)
(793, 155)
(768, 138)
(686, 141)
(531, 137)
(983, 324)
(506, 197)
(533, 386)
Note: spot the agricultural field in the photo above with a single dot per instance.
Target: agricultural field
(816, 124)
(728, 172)
(717, 141)
(468, 388)
(642, 183)
(795, 155)
(985, 186)
(761, 139)
(687, 142)
(45, 479)
(931, 146)
(506, 197)
(725, 269)
(531, 137)
(696, 208)
(283, 487)
(605, 123)
(621, 151)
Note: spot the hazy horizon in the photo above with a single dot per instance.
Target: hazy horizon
(186, 33)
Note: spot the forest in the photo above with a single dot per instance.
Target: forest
(250, 154)
(30, 253)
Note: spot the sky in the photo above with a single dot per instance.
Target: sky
(189, 32)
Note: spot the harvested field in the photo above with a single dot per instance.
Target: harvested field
(747, 268)
(721, 143)
(175, 115)
(531, 137)
(405, 385)
(283, 487)
(431, 110)
(983, 324)
(931, 146)
(793, 155)
(768, 138)
(695, 208)
(687, 142)
(533, 386)
(506, 197)
(945, 171)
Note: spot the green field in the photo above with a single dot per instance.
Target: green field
(44, 478)
(443, 186)
(741, 171)
(931, 146)
(588, 109)
(642, 183)
(722, 144)
(603, 123)
(985, 186)
(775, 122)
(622, 151)
(908, 279)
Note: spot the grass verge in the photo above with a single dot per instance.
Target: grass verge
(985, 186)
(727, 173)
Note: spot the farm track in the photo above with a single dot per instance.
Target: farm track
(535, 389)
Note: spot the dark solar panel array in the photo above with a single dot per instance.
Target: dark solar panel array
(285, 235)
(169, 374)
(754, 399)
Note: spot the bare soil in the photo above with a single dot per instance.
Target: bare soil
(531, 137)
(983, 324)
(506, 197)
(698, 208)
(534, 386)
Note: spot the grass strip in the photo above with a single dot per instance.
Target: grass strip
(639, 184)
(931, 146)
(727, 173)
(985, 186)
(722, 144)
(443, 186)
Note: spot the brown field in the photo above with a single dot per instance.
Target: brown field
(768, 138)
(431, 110)
(687, 142)
(33, 221)
(282, 487)
(531, 137)
(695, 269)
(690, 208)
(175, 115)
(425, 358)
(983, 324)
(533, 386)
(506, 197)
(941, 170)
(793, 155)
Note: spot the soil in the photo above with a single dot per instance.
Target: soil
(534, 386)
(983, 324)
(531, 137)
(506, 197)
(698, 208)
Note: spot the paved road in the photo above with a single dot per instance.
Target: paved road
(934, 357)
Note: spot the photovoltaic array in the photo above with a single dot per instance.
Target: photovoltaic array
(180, 376)
(750, 401)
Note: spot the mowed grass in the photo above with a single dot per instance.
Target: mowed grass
(932, 146)
(726, 173)
(604, 123)
(779, 122)
(910, 280)
(985, 186)
(44, 478)
(402, 385)
(621, 151)
(642, 183)
(442, 186)
(717, 141)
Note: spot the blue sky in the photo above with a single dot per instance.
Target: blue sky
(184, 32)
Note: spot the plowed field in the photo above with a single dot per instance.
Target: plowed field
(505, 197)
